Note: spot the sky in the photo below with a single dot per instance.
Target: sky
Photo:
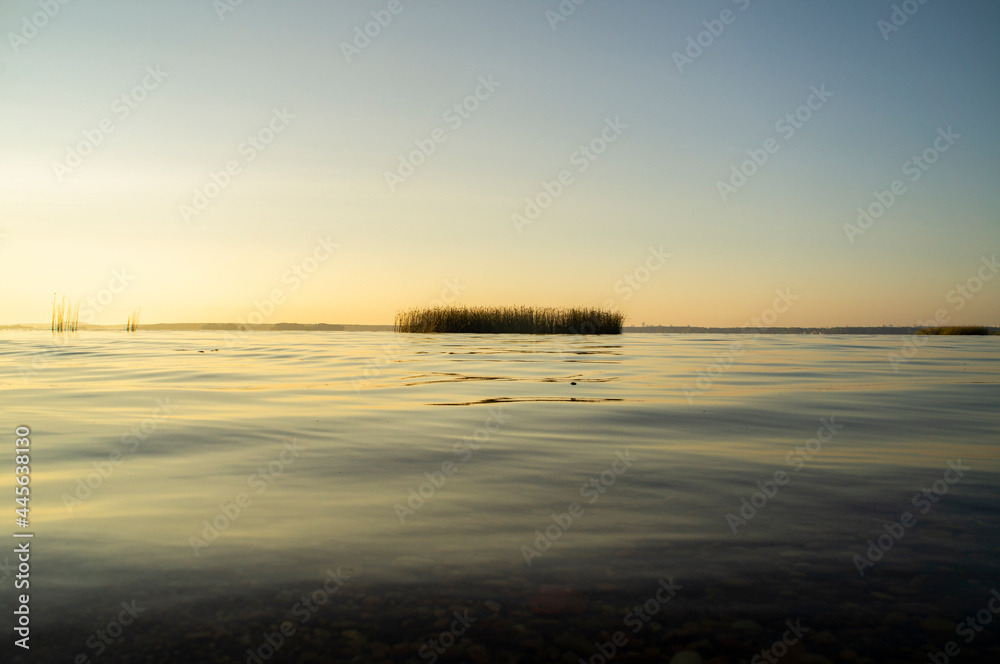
(685, 163)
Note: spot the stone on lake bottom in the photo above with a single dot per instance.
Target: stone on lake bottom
(556, 600)
(686, 657)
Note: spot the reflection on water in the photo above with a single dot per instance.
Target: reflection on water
(523, 400)
(217, 484)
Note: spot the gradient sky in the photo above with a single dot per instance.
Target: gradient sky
(655, 186)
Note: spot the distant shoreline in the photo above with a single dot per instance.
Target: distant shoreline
(686, 329)
(327, 327)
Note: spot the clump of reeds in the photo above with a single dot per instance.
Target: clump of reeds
(956, 329)
(133, 321)
(65, 316)
(509, 320)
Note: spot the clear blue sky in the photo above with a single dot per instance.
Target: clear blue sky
(654, 190)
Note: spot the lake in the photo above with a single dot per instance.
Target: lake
(371, 497)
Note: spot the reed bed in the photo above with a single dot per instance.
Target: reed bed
(65, 315)
(509, 320)
(133, 321)
(956, 329)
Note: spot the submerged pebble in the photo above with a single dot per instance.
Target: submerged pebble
(686, 657)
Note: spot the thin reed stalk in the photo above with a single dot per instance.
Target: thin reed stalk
(133, 321)
(65, 315)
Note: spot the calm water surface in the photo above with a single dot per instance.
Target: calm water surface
(543, 485)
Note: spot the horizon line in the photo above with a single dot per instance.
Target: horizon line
(222, 326)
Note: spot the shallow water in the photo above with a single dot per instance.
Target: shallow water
(428, 470)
